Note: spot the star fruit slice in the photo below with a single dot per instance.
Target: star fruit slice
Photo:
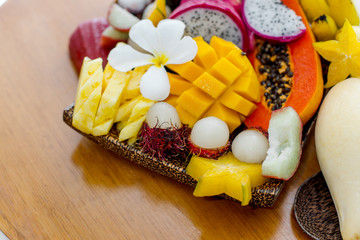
(226, 175)
(344, 55)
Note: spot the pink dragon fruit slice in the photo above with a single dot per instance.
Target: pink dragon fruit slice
(271, 19)
(207, 18)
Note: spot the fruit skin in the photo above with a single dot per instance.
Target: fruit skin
(276, 21)
(85, 42)
(337, 146)
(110, 37)
(315, 8)
(324, 28)
(343, 9)
(307, 91)
(222, 7)
(283, 155)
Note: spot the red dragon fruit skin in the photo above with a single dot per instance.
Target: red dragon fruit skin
(285, 18)
(222, 11)
(85, 42)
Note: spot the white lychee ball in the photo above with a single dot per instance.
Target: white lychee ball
(210, 132)
(163, 115)
(250, 146)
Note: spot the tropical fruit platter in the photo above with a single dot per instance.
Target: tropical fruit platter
(216, 94)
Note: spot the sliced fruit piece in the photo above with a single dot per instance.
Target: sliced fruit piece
(226, 89)
(124, 111)
(301, 68)
(195, 101)
(178, 84)
(343, 55)
(221, 46)
(225, 21)
(120, 19)
(206, 56)
(85, 42)
(109, 103)
(190, 71)
(224, 176)
(88, 95)
(110, 37)
(136, 119)
(272, 20)
(283, 155)
(157, 12)
(235, 184)
(133, 88)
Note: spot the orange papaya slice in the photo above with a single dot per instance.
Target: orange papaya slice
(290, 75)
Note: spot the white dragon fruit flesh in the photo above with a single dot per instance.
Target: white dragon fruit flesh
(207, 18)
(271, 19)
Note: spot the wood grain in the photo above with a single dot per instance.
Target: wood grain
(55, 184)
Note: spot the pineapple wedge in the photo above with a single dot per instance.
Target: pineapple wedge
(124, 111)
(136, 119)
(88, 95)
(133, 88)
(110, 101)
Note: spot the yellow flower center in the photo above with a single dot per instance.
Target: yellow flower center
(160, 60)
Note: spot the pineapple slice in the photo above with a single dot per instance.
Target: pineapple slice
(110, 102)
(136, 119)
(133, 88)
(125, 109)
(88, 95)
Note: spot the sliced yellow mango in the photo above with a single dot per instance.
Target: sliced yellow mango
(225, 71)
(210, 85)
(221, 46)
(189, 70)
(206, 56)
(178, 84)
(195, 101)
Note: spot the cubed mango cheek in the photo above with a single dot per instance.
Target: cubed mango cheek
(239, 60)
(195, 101)
(186, 117)
(221, 46)
(189, 70)
(225, 71)
(172, 100)
(178, 84)
(231, 117)
(248, 86)
(210, 85)
(206, 56)
(238, 103)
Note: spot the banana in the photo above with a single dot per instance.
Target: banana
(343, 9)
(315, 8)
(324, 28)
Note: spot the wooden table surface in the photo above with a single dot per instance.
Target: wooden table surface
(56, 184)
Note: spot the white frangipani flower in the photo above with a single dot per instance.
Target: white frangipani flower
(162, 45)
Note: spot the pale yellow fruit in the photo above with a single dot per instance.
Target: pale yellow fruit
(133, 88)
(136, 119)
(88, 95)
(337, 138)
(124, 111)
(109, 103)
(131, 129)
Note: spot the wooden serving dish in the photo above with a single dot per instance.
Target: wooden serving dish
(262, 196)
